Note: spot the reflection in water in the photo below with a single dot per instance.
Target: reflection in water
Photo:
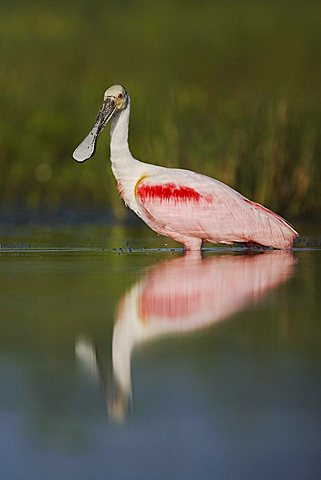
(181, 295)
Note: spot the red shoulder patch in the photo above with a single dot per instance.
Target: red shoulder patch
(166, 192)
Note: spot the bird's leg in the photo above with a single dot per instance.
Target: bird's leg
(191, 243)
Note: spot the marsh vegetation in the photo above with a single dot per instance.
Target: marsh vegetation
(231, 89)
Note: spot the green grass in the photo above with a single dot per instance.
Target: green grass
(231, 89)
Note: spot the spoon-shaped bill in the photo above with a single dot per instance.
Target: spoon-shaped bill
(87, 147)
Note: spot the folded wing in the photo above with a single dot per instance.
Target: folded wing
(194, 205)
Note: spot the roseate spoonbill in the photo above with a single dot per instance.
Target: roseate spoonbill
(179, 296)
(186, 206)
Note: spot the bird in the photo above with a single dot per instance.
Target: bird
(188, 207)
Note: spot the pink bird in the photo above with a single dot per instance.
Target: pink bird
(186, 206)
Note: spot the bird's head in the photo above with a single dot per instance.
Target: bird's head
(115, 100)
(117, 95)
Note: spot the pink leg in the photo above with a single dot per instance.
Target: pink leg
(190, 243)
(193, 243)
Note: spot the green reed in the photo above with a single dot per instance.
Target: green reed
(231, 89)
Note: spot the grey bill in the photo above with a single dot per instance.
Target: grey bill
(87, 147)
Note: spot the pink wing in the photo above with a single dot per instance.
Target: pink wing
(194, 205)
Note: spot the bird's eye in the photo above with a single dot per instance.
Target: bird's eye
(120, 95)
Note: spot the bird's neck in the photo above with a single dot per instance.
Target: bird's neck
(119, 150)
(126, 169)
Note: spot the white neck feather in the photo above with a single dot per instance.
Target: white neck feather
(126, 169)
(119, 149)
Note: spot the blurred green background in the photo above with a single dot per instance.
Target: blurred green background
(227, 88)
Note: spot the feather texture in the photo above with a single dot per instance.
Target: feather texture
(181, 203)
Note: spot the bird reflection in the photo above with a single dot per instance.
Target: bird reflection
(181, 295)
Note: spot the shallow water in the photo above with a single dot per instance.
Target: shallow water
(120, 360)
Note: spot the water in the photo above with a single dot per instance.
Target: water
(142, 363)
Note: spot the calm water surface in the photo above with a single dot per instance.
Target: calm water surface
(139, 363)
